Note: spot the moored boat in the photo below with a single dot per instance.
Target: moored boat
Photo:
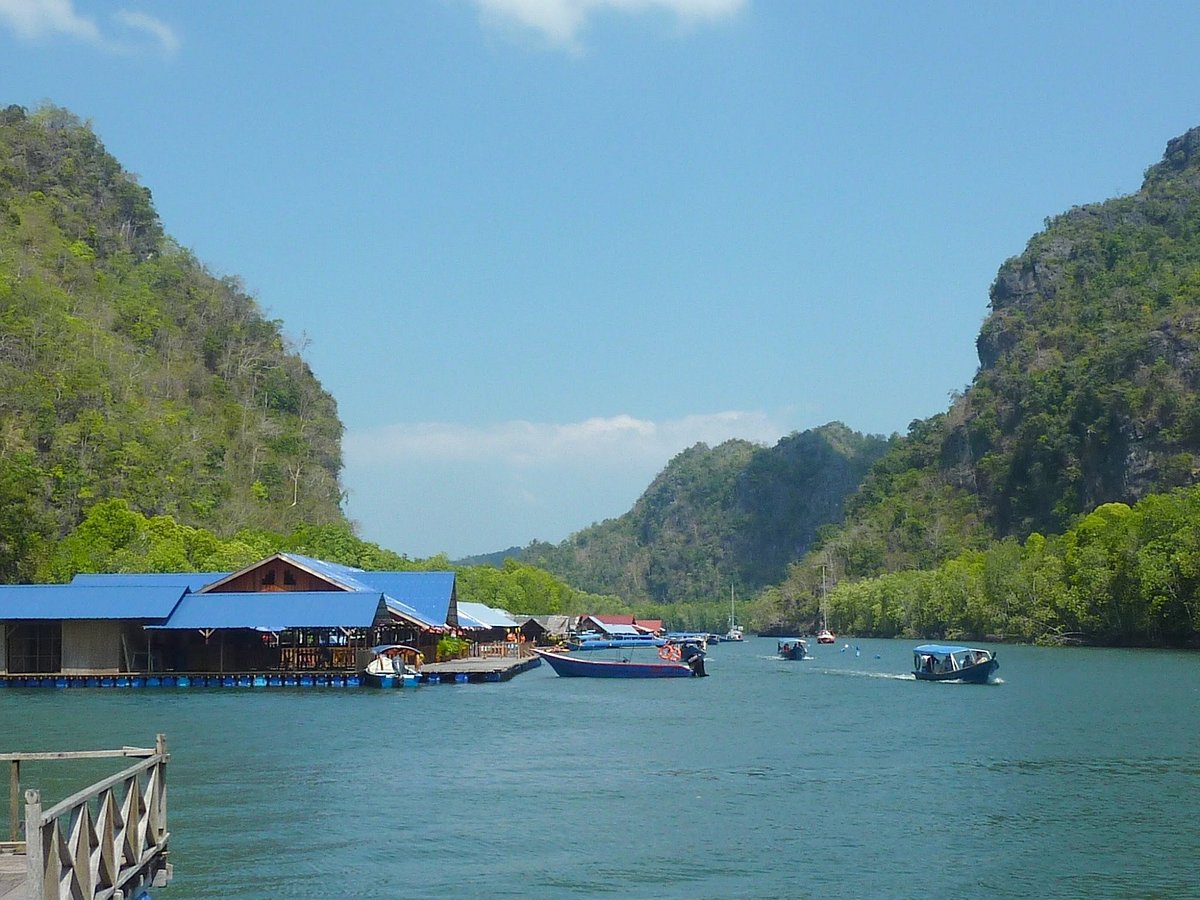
(948, 662)
(735, 632)
(393, 665)
(793, 648)
(673, 662)
(825, 636)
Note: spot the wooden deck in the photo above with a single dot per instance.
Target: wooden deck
(475, 669)
(12, 876)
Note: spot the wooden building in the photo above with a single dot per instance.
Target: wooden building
(285, 613)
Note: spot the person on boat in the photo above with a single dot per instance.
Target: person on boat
(694, 657)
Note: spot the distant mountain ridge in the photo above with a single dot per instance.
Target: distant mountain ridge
(735, 514)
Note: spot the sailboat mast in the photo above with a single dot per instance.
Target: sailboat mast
(824, 603)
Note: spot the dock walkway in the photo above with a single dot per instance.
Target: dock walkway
(475, 669)
(12, 876)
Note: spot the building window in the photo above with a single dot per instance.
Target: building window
(268, 576)
(289, 577)
(34, 648)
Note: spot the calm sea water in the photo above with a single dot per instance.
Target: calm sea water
(1076, 776)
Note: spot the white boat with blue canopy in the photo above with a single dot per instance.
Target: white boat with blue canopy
(393, 665)
(951, 662)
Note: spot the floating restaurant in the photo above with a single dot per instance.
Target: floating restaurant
(288, 620)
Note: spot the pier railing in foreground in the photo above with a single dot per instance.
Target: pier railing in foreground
(103, 842)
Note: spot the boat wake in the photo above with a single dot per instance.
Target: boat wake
(858, 673)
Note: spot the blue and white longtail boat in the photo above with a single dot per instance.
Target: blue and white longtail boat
(949, 662)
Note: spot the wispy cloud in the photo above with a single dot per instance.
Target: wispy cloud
(616, 440)
(160, 32)
(41, 20)
(562, 22)
(462, 489)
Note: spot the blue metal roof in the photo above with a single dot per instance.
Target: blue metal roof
(83, 601)
(194, 581)
(479, 615)
(425, 594)
(407, 612)
(277, 610)
(940, 648)
(346, 576)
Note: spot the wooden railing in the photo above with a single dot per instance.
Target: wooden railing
(102, 842)
(509, 649)
(304, 658)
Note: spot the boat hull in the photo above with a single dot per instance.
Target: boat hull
(568, 666)
(977, 674)
(389, 681)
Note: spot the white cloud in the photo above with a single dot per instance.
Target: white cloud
(162, 33)
(432, 487)
(32, 19)
(48, 19)
(616, 441)
(561, 22)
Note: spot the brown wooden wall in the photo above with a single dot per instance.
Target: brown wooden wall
(276, 575)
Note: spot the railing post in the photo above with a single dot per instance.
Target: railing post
(14, 801)
(160, 747)
(35, 865)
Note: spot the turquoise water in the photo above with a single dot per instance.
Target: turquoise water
(1076, 776)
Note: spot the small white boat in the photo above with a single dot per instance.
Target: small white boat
(393, 665)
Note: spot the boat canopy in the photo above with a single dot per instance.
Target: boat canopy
(389, 649)
(943, 649)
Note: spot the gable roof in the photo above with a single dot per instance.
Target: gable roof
(101, 601)
(277, 610)
(425, 596)
(479, 615)
(335, 573)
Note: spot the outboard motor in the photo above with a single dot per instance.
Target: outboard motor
(694, 657)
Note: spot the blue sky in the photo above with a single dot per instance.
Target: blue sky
(535, 248)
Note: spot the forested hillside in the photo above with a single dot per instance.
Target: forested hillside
(1088, 394)
(732, 515)
(1088, 390)
(128, 370)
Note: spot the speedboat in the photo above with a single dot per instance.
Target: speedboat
(674, 661)
(393, 665)
(825, 636)
(793, 648)
(943, 662)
